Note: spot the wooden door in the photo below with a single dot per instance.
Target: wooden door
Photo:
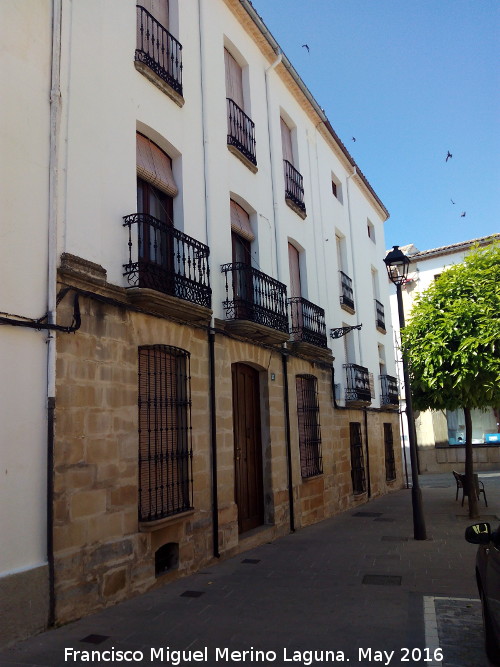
(249, 493)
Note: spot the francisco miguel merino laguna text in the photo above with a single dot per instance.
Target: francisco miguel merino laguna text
(177, 657)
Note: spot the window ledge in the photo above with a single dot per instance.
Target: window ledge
(151, 526)
(237, 153)
(301, 212)
(381, 330)
(347, 308)
(159, 83)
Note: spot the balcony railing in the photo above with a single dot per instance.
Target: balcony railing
(358, 383)
(254, 296)
(158, 49)
(308, 322)
(379, 315)
(165, 259)
(347, 294)
(240, 131)
(389, 387)
(294, 188)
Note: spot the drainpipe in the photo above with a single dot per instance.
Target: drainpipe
(55, 122)
(211, 330)
(349, 176)
(284, 359)
(213, 443)
(274, 175)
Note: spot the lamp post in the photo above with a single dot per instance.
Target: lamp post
(397, 264)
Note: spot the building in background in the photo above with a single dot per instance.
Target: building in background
(441, 434)
(194, 334)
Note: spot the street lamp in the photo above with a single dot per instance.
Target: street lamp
(397, 264)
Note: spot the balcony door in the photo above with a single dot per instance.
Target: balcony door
(241, 239)
(295, 291)
(249, 494)
(155, 241)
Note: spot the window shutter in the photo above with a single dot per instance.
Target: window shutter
(240, 222)
(234, 80)
(155, 166)
(286, 140)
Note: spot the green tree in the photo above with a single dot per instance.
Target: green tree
(452, 343)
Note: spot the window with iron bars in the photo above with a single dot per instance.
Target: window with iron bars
(165, 449)
(311, 462)
(390, 463)
(357, 459)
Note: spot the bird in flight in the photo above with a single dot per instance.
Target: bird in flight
(463, 214)
(452, 201)
(354, 138)
(449, 155)
(305, 46)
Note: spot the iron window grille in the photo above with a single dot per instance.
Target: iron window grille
(167, 260)
(308, 322)
(358, 383)
(165, 447)
(254, 296)
(379, 315)
(389, 387)
(294, 185)
(240, 131)
(357, 459)
(347, 294)
(311, 461)
(390, 463)
(158, 49)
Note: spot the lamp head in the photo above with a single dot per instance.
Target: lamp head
(397, 264)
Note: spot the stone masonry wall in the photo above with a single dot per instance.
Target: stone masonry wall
(102, 553)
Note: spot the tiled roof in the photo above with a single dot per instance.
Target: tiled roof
(414, 253)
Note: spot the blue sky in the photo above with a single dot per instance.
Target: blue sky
(410, 80)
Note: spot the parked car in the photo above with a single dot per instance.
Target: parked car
(488, 583)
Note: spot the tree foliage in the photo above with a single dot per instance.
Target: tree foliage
(452, 339)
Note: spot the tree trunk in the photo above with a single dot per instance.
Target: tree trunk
(469, 466)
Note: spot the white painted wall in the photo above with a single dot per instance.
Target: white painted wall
(25, 35)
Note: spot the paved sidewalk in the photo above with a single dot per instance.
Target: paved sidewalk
(358, 586)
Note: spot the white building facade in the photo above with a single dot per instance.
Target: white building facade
(441, 434)
(195, 312)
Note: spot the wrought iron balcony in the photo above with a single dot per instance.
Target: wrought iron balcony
(294, 188)
(254, 296)
(379, 315)
(308, 322)
(165, 259)
(240, 131)
(389, 387)
(358, 384)
(347, 294)
(158, 49)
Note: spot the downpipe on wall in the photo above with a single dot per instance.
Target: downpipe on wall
(55, 121)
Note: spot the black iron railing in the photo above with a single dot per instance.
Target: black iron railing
(167, 260)
(358, 383)
(347, 294)
(389, 387)
(165, 447)
(390, 463)
(308, 322)
(158, 49)
(255, 296)
(379, 314)
(294, 187)
(311, 461)
(358, 474)
(240, 131)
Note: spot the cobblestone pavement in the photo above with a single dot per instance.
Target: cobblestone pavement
(357, 585)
